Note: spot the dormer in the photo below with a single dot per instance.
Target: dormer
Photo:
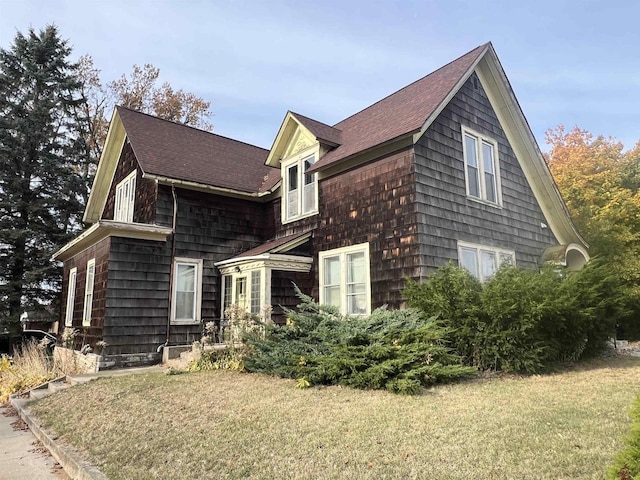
(300, 143)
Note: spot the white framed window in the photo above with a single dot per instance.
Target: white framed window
(186, 302)
(88, 292)
(481, 167)
(125, 199)
(71, 297)
(345, 279)
(244, 289)
(482, 261)
(300, 191)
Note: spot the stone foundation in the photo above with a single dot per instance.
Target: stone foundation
(91, 362)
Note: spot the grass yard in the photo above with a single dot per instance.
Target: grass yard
(223, 424)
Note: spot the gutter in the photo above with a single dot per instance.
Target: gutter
(207, 188)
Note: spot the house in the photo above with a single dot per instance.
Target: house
(186, 222)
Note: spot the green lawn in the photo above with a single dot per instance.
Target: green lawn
(232, 425)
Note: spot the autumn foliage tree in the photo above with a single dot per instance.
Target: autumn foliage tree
(138, 91)
(600, 184)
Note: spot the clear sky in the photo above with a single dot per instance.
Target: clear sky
(569, 62)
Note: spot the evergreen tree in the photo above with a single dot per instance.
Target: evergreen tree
(41, 155)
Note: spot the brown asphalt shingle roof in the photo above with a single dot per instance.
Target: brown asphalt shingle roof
(322, 131)
(403, 112)
(271, 245)
(175, 151)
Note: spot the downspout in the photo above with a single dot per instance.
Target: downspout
(173, 255)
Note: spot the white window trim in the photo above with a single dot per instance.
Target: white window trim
(265, 297)
(483, 248)
(298, 159)
(496, 165)
(342, 253)
(87, 309)
(197, 262)
(124, 213)
(71, 297)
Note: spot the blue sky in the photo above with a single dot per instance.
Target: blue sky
(569, 62)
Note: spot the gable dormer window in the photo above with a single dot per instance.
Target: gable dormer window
(125, 199)
(481, 167)
(300, 188)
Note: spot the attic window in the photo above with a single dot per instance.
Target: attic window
(300, 196)
(482, 172)
(125, 199)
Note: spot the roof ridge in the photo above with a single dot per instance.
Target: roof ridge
(188, 126)
(410, 84)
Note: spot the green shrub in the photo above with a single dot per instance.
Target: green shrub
(397, 350)
(452, 296)
(522, 320)
(627, 462)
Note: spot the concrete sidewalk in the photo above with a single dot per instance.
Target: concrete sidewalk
(22, 457)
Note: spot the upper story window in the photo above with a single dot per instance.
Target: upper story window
(125, 199)
(345, 279)
(300, 197)
(483, 262)
(482, 172)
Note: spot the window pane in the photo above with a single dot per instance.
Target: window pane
(469, 260)
(293, 178)
(185, 306)
(71, 298)
(255, 292)
(228, 286)
(241, 292)
(332, 271)
(489, 172)
(309, 177)
(309, 198)
(186, 276)
(488, 263)
(355, 270)
(474, 182)
(332, 296)
(357, 304)
(471, 150)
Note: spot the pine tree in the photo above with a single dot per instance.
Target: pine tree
(40, 160)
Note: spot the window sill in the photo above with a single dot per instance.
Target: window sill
(484, 202)
(185, 322)
(300, 217)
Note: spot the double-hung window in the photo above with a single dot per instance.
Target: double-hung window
(481, 167)
(300, 188)
(125, 199)
(483, 262)
(345, 280)
(187, 290)
(71, 297)
(88, 292)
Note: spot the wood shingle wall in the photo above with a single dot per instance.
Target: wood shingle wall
(445, 214)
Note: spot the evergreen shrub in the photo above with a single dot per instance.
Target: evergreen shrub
(396, 350)
(522, 320)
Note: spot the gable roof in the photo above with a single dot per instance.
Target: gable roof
(403, 112)
(323, 132)
(174, 151)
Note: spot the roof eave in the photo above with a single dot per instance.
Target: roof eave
(110, 228)
(114, 143)
(203, 187)
(524, 145)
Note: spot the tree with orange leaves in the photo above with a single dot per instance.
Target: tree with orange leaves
(600, 184)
